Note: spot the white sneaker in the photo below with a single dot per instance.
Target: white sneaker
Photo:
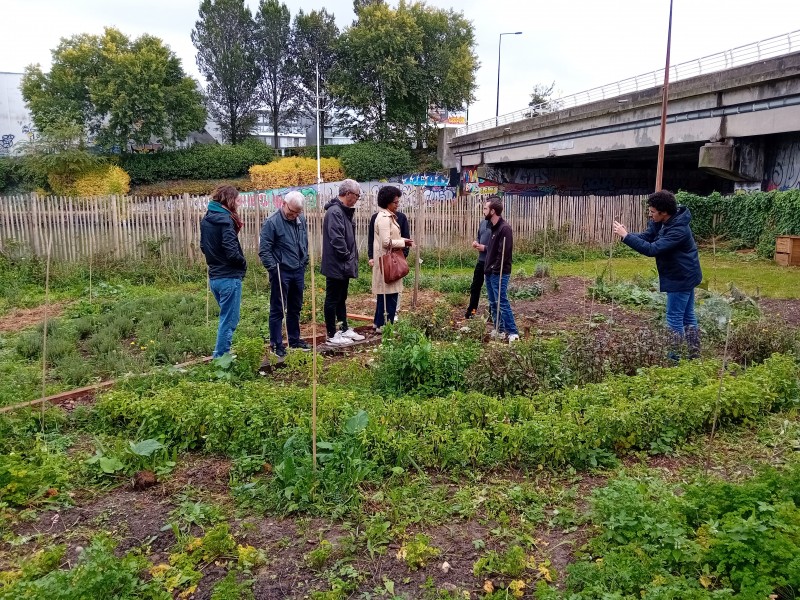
(339, 339)
(352, 335)
(513, 338)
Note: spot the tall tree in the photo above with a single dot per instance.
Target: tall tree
(542, 93)
(116, 91)
(224, 37)
(375, 68)
(276, 59)
(392, 64)
(359, 4)
(315, 36)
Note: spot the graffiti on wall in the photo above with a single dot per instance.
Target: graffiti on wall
(6, 141)
(783, 166)
(426, 179)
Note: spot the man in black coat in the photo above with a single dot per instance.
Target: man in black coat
(340, 261)
(669, 239)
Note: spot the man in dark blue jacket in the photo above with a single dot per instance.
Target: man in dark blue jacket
(283, 250)
(669, 239)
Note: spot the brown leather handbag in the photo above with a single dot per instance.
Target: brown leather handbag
(394, 265)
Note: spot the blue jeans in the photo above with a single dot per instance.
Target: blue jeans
(292, 283)
(506, 323)
(228, 294)
(680, 311)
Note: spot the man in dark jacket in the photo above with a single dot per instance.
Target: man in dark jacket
(478, 275)
(340, 261)
(283, 250)
(669, 239)
(497, 269)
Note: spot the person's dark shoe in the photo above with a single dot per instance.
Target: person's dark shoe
(470, 314)
(301, 345)
(279, 351)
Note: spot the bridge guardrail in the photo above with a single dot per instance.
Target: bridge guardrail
(741, 55)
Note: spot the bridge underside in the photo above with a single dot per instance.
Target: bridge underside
(630, 171)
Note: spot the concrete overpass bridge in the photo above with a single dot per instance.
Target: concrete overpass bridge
(737, 126)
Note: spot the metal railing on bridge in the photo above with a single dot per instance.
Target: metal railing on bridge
(775, 46)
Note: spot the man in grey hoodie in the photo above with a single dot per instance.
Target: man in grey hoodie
(340, 261)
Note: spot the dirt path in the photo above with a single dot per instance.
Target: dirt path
(22, 318)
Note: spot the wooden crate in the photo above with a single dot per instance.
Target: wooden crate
(787, 250)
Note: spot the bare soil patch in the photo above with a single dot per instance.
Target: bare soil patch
(22, 318)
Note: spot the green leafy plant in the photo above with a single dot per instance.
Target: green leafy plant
(417, 551)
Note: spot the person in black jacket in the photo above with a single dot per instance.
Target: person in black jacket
(340, 261)
(283, 250)
(219, 242)
(479, 274)
(498, 271)
(669, 239)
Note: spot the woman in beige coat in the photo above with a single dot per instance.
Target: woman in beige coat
(387, 238)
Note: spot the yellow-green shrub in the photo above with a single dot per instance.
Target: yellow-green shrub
(293, 171)
(103, 181)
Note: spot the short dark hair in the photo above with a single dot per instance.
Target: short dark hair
(495, 204)
(663, 201)
(387, 194)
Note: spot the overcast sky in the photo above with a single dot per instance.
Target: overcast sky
(579, 44)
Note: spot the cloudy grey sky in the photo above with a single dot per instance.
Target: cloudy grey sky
(579, 44)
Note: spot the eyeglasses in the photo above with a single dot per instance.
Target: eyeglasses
(293, 212)
(358, 195)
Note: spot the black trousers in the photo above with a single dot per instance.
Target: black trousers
(391, 308)
(478, 277)
(335, 298)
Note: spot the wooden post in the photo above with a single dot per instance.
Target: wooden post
(115, 227)
(419, 229)
(186, 230)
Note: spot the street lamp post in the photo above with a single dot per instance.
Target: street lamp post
(499, 44)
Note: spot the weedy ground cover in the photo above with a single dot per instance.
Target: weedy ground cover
(444, 466)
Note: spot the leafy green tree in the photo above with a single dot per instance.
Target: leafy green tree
(224, 37)
(359, 4)
(276, 60)
(392, 64)
(115, 90)
(315, 36)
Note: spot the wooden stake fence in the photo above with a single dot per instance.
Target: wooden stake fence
(125, 227)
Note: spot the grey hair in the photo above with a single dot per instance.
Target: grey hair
(295, 199)
(348, 186)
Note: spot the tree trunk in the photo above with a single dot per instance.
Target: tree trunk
(275, 127)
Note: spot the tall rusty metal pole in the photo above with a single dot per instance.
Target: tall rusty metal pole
(664, 96)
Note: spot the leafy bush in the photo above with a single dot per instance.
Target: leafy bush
(409, 363)
(201, 161)
(755, 341)
(368, 161)
(328, 151)
(650, 411)
(294, 171)
(750, 220)
(32, 476)
(104, 180)
(711, 539)
(99, 573)
(194, 187)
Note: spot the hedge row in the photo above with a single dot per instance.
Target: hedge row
(750, 220)
(201, 161)
(582, 426)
